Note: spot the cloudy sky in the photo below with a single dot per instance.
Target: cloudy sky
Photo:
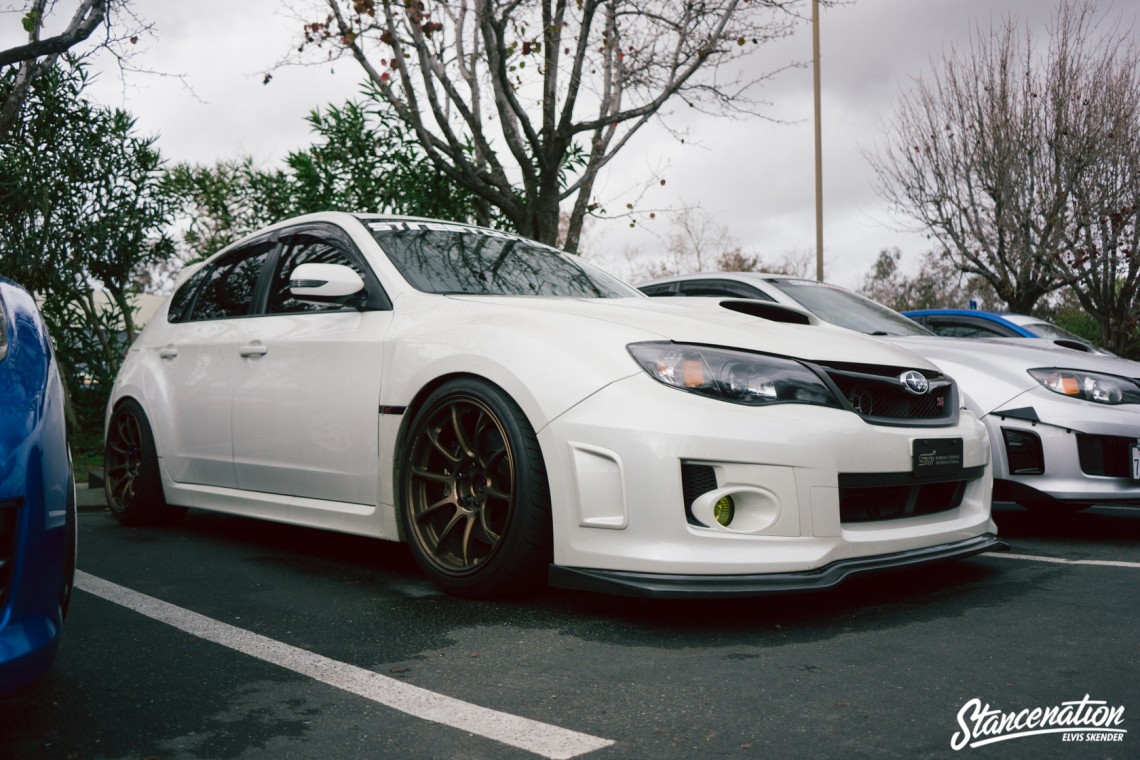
(753, 177)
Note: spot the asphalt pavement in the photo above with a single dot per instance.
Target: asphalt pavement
(224, 637)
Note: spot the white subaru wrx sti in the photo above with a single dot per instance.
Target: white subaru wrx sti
(517, 416)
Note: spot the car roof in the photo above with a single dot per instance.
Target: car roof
(740, 276)
(956, 313)
(1025, 319)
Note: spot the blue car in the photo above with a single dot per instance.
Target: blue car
(37, 495)
(974, 323)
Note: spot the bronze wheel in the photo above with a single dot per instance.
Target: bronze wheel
(130, 471)
(476, 505)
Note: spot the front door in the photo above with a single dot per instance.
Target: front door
(307, 391)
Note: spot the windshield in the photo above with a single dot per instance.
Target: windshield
(446, 258)
(1050, 330)
(846, 309)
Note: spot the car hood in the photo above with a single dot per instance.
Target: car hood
(708, 321)
(994, 372)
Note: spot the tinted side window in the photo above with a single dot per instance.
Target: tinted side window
(183, 297)
(231, 283)
(306, 249)
(965, 331)
(722, 288)
(667, 289)
(968, 328)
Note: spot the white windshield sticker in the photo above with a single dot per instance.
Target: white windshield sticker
(411, 226)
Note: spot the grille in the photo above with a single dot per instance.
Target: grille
(877, 393)
(1104, 455)
(892, 496)
(696, 479)
(9, 514)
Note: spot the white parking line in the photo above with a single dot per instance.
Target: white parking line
(540, 738)
(1061, 561)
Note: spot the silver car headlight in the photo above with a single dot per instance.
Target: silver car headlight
(736, 376)
(1090, 386)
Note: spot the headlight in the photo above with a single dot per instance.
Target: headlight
(736, 376)
(1090, 386)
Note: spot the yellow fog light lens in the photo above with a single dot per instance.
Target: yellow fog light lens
(724, 510)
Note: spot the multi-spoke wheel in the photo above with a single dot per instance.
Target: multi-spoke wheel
(130, 471)
(476, 505)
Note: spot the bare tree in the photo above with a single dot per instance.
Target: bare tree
(938, 283)
(698, 243)
(39, 53)
(1106, 251)
(524, 102)
(993, 154)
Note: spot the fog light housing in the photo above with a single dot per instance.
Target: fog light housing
(737, 508)
(724, 510)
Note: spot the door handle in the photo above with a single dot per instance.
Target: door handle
(167, 352)
(255, 349)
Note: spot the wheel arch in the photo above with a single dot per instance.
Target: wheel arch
(413, 408)
(116, 402)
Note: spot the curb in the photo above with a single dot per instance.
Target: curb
(88, 499)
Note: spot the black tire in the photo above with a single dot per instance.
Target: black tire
(475, 504)
(130, 471)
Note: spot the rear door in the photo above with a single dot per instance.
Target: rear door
(200, 363)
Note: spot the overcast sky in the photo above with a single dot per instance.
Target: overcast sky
(754, 177)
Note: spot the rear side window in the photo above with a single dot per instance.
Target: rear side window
(182, 299)
(231, 283)
(969, 328)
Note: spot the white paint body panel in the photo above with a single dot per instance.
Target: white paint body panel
(305, 419)
(308, 441)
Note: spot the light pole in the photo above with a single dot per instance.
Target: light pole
(818, 143)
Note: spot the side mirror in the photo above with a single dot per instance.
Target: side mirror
(325, 283)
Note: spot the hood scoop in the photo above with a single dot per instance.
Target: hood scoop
(1075, 345)
(773, 312)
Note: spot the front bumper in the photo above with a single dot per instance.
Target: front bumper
(615, 464)
(37, 518)
(662, 586)
(1062, 426)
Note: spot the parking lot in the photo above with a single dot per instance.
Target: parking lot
(230, 638)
